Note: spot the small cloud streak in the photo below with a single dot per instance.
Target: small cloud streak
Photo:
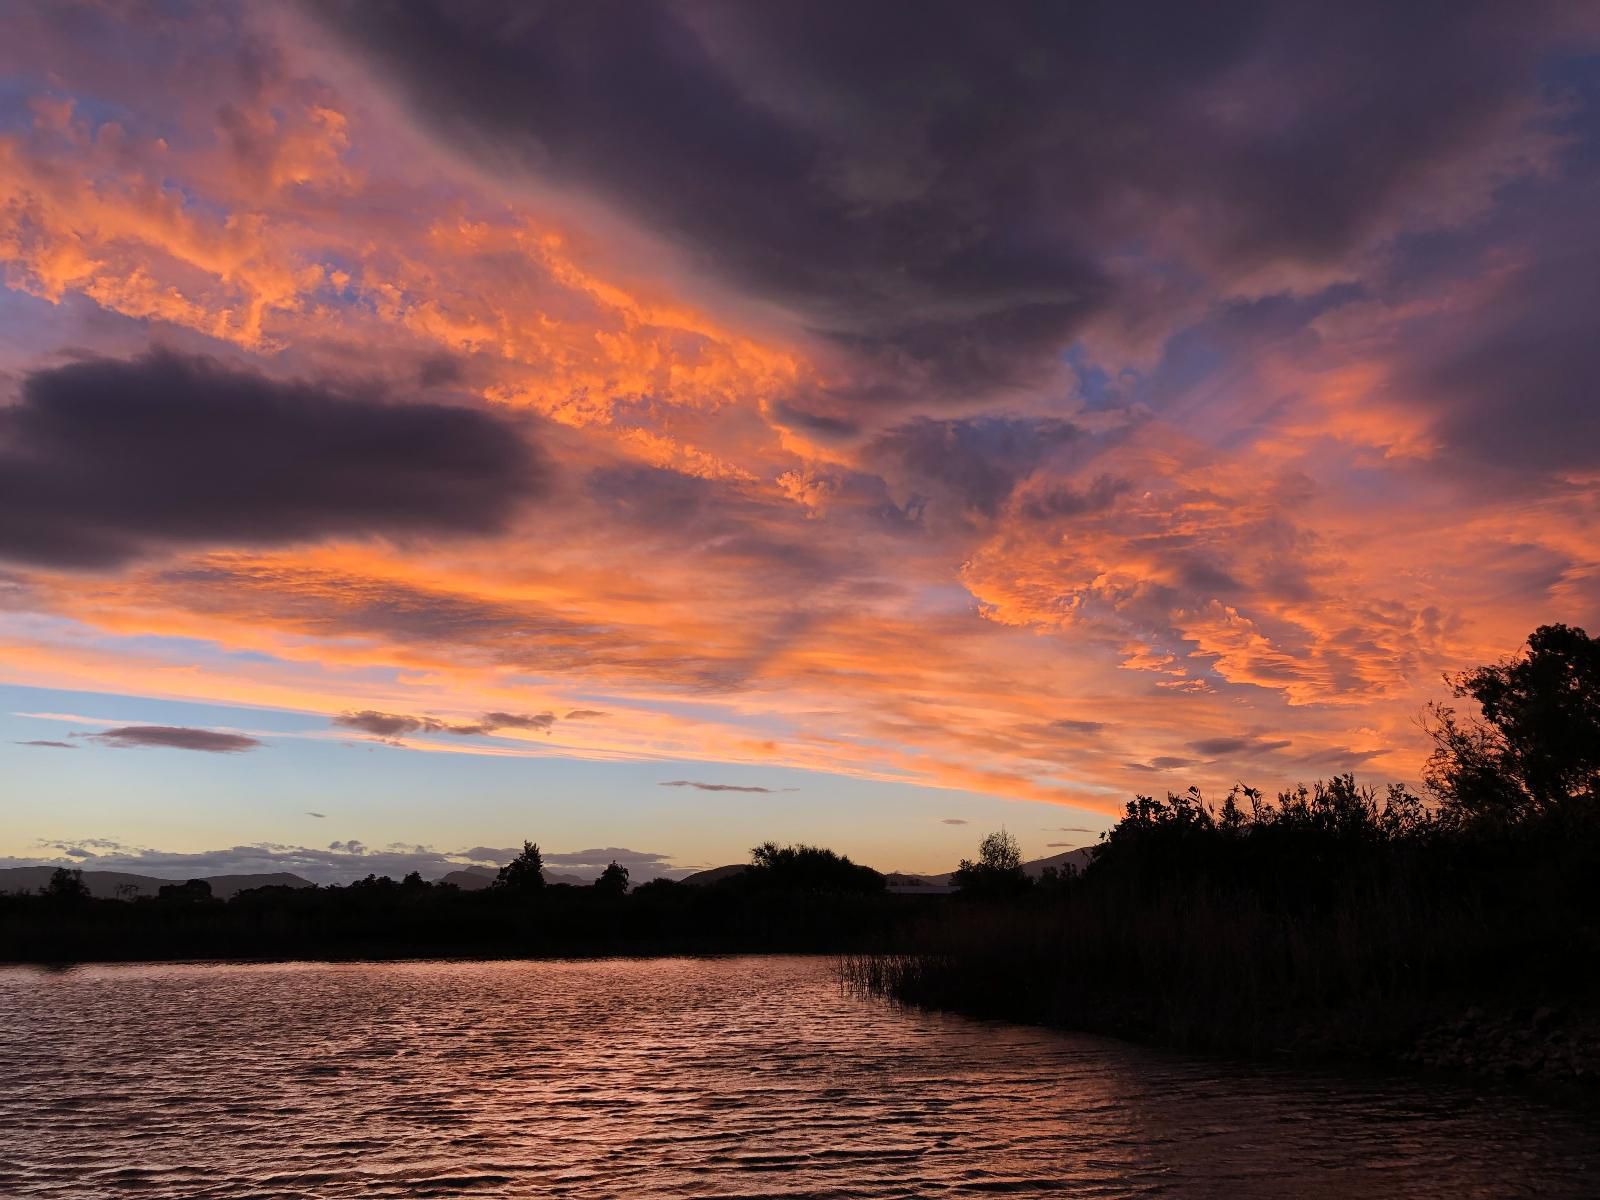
(1162, 762)
(175, 737)
(953, 821)
(721, 787)
(47, 742)
(1219, 747)
(390, 726)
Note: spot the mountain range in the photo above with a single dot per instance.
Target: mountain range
(908, 881)
(113, 885)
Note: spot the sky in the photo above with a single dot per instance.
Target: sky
(654, 428)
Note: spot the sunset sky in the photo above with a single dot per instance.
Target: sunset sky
(650, 429)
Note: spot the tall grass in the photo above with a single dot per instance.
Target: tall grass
(1273, 935)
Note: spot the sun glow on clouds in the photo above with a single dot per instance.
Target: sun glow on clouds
(905, 482)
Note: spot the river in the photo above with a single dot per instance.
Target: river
(685, 1077)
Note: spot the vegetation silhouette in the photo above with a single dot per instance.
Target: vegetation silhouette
(790, 898)
(193, 891)
(613, 881)
(998, 871)
(1331, 920)
(524, 873)
(66, 887)
(807, 869)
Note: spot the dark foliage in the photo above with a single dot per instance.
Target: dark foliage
(1536, 750)
(775, 868)
(1335, 919)
(792, 898)
(66, 887)
(998, 871)
(194, 891)
(613, 880)
(524, 873)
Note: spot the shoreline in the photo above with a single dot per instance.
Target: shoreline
(1549, 1049)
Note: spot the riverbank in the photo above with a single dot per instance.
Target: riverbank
(1248, 987)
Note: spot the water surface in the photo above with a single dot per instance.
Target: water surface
(680, 1077)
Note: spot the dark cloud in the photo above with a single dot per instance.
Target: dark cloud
(977, 461)
(598, 858)
(584, 714)
(388, 725)
(1162, 762)
(954, 821)
(394, 725)
(948, 198)
(175, 737)
(1061, 500)
(720, 787)
(309, 813)
(1514, 383)
(1067, 725)
(505, 720)
(1220, 747)
(104, 460)
(1070, 829)
(439, 369)
(47, 742)
(1506, 369)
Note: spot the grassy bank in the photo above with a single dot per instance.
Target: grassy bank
(1446, 949)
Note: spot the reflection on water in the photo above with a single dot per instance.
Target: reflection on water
(729, 1077)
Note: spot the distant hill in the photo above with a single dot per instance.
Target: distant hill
(473, 879)
(911, 881)
(1078, 859)
(713, 874)
(111, 885)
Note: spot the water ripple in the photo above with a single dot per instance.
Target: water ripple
(721, 1078)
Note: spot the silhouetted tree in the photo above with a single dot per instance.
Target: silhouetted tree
(66, 886)
(998, 870)
(193, 891)
(613, 880)
(524, 873)
(802, 868)
(1536, 749)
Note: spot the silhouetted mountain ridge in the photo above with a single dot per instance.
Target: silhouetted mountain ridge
(1078, 859)
(112, 885)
